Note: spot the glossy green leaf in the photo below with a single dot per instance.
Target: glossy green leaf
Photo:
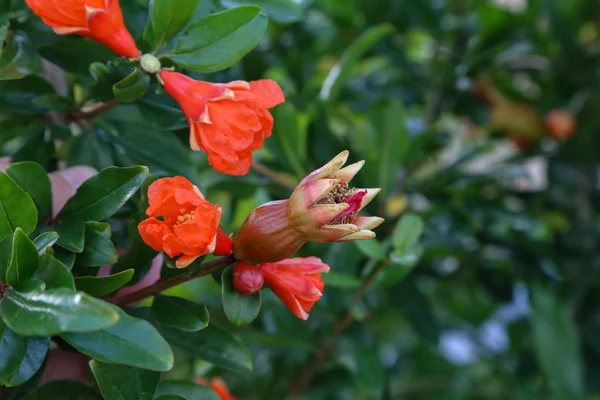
(98, 248)
(71, 235)
(133, 87)
(14, 348)
(408, 231)
(45, 240)
(99, 287)
(55, 311)
(219, 40)
(104, 194)
(35, 353)
(179, 313)
(338, 77)
(168, 17)
(19, 58)
(131, 341)
(5, 254)
(120, 382)
(557, 346)
(33, 179)
(371, 248)
(212, 344)
(239, 309)
(17, 208)
(179, 389)
(64, 390)
(24, 260)
(160, 150)
(53, 272)
(283, 11)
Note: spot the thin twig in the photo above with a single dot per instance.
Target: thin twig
(161, 286)
(274, 176)
(322, 353)
(93, 111)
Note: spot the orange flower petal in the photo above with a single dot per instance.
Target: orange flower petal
(267, 92)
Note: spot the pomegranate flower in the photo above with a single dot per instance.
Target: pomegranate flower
(228, 121)
(321, 209)
(182, 223)
(296, 281)
(99, 20)
(219, 386)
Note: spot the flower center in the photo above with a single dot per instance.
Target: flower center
(186, 216)
(343, 194)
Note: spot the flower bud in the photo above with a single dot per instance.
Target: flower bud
(247, 279)
(321, 209)
(224, 244)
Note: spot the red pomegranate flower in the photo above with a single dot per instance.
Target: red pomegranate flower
(297, 282)
(228, 121)
(182, 223)
(99, 20)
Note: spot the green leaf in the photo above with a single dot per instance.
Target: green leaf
(54, 311)
(33, 179)
(131, 341)
(45, 240)
(53, 272)
(290, 136)
(160, 150)
(13, 351)
(16, 208)
(556, 345)
(168, 17)
(219, 40)
(99, 287)
(98, 249)
(101, 196)
(64, 390)
(120, 382)
(403, 262)
(5, 255)
(239, 309)
(212, 344)
(133, 87)
(341, 280)
(371, 248)
(37, 347)
(19, 58)
(175, 389)
(71, 236)
(282, 11)
(340, 73)
(407, 232)
(24, 260)
(189, 316)
(88, 148)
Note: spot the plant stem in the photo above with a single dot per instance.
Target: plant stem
(273, 176)
(95, 110)
(322, 353)
(161, 286)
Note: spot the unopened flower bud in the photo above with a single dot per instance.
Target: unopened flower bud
(322, 208)
(247, 279)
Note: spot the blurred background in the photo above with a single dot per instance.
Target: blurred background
(479, 120)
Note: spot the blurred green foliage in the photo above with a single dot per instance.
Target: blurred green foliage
(495, 300)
